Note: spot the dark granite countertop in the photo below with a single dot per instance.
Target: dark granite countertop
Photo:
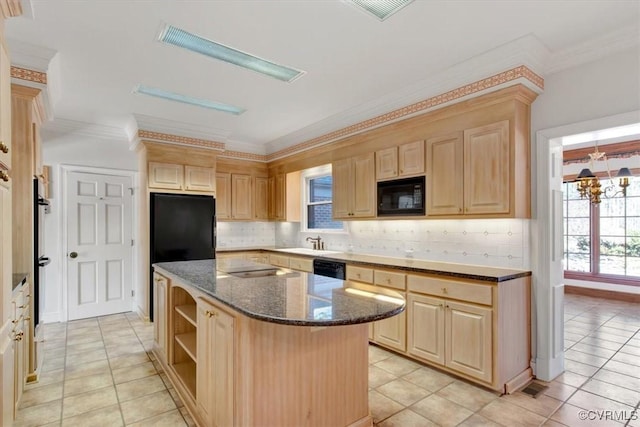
(286, 297)
(18, 279)
(462, 271)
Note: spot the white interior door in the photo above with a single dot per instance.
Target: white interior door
(99, 244)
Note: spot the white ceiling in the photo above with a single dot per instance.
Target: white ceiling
(105, 47)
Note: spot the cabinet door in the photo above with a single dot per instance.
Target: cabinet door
(261, 198)
(241, 196)
(223, 195)
(363, 193)
(411, 158)
(165, 175)
(215, 385)
(5, 109)
(387, 163)
(280, 200)
(392, 332)
(271, 183)
(468, 339)
(341, 175)
(426, 328)
(160, 332)
(487, 169)
(445, 175)
(199, 179)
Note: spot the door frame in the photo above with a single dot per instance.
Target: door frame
(547, 303)
(65, 170)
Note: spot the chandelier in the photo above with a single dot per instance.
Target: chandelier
(589, 185)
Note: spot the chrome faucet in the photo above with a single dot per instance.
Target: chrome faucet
(317, 242)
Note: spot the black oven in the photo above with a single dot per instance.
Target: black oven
(401, 197)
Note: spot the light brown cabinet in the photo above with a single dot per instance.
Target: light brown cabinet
(403, 160)
(215, 396)
(160, 305)
(234, 198)
(469, 173)
(170, 176)
(452, 334)
(261, 198)
(354, 187)
(284, 196)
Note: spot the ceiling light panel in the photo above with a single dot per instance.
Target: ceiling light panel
(198, 102)
(381, 9)
(181, 38)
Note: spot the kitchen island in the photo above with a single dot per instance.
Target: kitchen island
(247, 344)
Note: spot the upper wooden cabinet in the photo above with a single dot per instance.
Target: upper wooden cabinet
(400, 161)
(284, 196)
(5, 115)
(354, 187)
(261, 198)
(171, 176)
(472, 173)
(234, 198)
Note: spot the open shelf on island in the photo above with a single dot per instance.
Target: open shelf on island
(189, 312)
(186, 372)
(188, 342)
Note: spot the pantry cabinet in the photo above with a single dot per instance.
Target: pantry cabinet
(354, 187)
(403, 160)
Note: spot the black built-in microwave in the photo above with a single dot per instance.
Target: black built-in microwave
(401, 197)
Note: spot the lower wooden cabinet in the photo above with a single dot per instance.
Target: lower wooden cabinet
(452, 334)
(215, 367)
(160, 304)
(391, 332)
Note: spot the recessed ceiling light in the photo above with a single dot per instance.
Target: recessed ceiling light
(381, 9)
(198, 102)
(195, 43)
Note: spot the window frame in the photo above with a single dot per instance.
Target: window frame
(306, 176)
(594, 275)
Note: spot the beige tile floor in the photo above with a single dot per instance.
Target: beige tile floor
(100, 372)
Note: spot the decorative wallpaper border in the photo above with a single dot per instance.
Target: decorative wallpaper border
(29, 75)
(471, 88)
(166, 137)
(244, 156)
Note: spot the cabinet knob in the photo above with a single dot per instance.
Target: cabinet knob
(211, 313)
(441, 305)
(18, 336)
(4, 148)
(459, 209)
(444, 290)
(4, 175)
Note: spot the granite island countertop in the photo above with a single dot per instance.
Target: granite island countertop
(285, 297)
(462, 271)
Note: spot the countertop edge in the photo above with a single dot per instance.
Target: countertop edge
(484, 278)
(279, 320)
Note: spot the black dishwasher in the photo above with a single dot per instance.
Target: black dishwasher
(328, 268)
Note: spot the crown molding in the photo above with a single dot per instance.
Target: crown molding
(527, 51)
(10, 8)
(521, 74)
(594, 49)
(62, 126)
(30, 56)
(148, 135)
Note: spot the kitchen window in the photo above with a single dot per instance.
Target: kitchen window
(602, 242)
(318, 200)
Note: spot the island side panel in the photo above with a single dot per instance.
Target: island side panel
(294, 373)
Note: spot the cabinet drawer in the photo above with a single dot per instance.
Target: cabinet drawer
(480, 294)
(279, 260)
(390, 279)
(360, 274)
(302, 264)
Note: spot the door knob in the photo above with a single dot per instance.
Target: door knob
(73, 255)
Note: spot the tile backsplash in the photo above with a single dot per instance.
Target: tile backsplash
(489, 242)
(245, 234)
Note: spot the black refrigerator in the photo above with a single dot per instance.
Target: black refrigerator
(182, 228)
